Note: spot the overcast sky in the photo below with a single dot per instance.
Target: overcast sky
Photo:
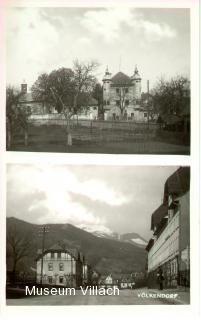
(116, 198)
(42, 39)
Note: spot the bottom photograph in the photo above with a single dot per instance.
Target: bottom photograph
(97, 235)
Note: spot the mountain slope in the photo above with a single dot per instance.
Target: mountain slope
(133, 238)
(104, 255)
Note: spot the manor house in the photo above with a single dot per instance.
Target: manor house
(122, 97)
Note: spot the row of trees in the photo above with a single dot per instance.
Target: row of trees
(69, 91)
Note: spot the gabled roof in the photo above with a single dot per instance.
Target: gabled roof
(57, 248)
(178, 183)
(26, 98)
(158, 215)
(121, 78)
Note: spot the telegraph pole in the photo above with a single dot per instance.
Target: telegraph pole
(44, 230)
(148, 103)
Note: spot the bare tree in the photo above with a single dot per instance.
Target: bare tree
(16, 117)
(18, 247)
(68, 89)
(121, 93)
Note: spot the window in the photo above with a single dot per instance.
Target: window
(52, 255)
(61, 267)
(59, 255)
(145, 114)
(114, 116)
(117, 90)
(117, 102)
(50, 266)
(127, 102)
(132, 115)
(50, 280)
(94, 108)
(108, 102)
(126, 90)
(61, 280)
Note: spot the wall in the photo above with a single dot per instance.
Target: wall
(69, 268)
(166, 247)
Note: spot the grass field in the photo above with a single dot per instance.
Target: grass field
(52, 138)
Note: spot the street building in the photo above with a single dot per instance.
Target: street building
(169, 248)
(62, 267)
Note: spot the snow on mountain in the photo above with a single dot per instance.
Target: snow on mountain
(139, 241)
(104, 232)
(98, 230)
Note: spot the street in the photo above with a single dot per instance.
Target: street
(126, 297)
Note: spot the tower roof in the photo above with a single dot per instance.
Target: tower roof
(136, 75)
(121, 78)
(107, 75)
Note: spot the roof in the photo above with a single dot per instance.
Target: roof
(121, 78)
(178, 183)
(26, 97)
(158, 215)
(150, 244)
(57, 248)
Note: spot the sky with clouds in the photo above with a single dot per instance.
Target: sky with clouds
(104, 198)
(42, 39)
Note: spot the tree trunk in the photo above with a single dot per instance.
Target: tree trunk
(9, 135)
(25, 137)
(69, 140)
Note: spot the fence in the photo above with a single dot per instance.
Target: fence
(100, 130)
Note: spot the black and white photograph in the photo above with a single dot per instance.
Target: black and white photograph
(106, 80)
(97, 235)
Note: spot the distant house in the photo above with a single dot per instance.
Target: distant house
(122, 92)
(127, 281)
(169, 248)
(62, 267)
(35, 107)
(90, 112)
(38, 109)
(107, 281)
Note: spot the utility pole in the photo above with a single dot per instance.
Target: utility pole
(148, 103)
(43, 231)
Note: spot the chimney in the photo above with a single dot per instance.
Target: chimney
(24, 88)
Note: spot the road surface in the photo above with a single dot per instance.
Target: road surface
(126, 297)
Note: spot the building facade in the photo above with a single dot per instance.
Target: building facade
(31, 105)
(57, 266)
(122, 96)
(169, 248)
(40, 110)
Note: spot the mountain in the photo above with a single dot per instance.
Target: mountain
(100, 231)
(133, 238)
(104, 255)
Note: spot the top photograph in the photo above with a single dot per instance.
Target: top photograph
(106, 80)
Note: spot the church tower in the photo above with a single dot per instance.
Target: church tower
(136, 80)
(106, 87)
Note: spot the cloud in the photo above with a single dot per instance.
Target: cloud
(109, 23)
(54, 192)
(30, 38)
